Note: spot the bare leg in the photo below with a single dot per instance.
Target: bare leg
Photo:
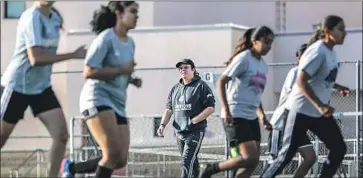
(55, 122)
(6, 130)
(113, 140)
(308, 154)
(247, 172)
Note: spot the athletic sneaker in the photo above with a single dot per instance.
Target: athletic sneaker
(65, 171)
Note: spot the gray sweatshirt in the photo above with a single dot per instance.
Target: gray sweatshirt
(188, 101)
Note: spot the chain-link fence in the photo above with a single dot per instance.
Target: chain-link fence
(162, 159)
(154, 156)
(359, 126)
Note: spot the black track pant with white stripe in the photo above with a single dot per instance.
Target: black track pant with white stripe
(189, 146)
(327, 131)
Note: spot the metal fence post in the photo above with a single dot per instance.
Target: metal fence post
(226, 154)
(71, 139)
(358, 168)
(316, 148)
(227, 174)
(39, 161)
(164, 165)
(360, 171)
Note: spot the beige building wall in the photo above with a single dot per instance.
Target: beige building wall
(77, 15)
(173, 45)
(161, 47)
(295, 16)
(301, 15)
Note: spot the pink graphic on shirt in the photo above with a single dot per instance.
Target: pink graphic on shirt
(258, 82)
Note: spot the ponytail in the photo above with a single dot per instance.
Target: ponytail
(328, 24)
(300, 51)
(105, 17)
(196, 73)
(317, 35)
(102, 19)
(60, 16)
(244, 43)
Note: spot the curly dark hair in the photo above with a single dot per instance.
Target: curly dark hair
(105, 17)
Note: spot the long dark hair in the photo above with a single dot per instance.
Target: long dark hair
(60, 16)
(301, 50)
(246, 41)
(328, 23)
(105, 17)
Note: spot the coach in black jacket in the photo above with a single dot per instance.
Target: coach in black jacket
(190, 102)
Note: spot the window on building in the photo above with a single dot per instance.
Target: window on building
(14, 9)
(157, 121)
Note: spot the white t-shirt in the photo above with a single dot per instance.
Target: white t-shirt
(277, 119)
(245, 88)
(321, 64)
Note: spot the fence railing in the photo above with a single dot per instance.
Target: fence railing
(162, 160)
(40, 161)
(348, 110)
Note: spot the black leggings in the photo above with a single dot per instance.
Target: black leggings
(327, 131)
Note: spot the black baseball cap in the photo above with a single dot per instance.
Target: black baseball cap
(185, 61)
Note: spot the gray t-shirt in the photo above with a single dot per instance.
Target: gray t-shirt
(245, 88)
(321, 64)
(34, 29)
(107, 51)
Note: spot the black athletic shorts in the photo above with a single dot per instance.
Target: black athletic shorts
(91, 112)
(14, 104)
(243, 130)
